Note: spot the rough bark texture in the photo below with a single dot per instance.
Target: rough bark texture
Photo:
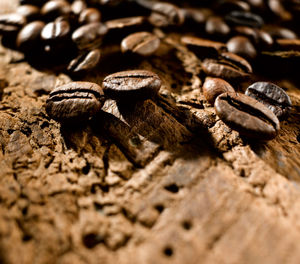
(162, 181)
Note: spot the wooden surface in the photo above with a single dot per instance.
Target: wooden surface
(163, 181)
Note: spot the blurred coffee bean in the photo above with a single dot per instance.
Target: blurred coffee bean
(242, 46)
(165, 14)
(241, 18)
(196, 16)
(246, 115)
(55, 8)
(288, 44)
(11, 23)
(223, 70)
(89, 15)
(278, 9)
(271, 95)
(141, 43)
(226, 6)
(56, 31)
(213, 87)
(89, 36)
(78, 6)
(30, 12)
(280, 32)
(125, 22)
(237, 60)
(203, 48)
(85, 61)
(29, 37)
(130, 85)
(75, 101)
(217, 27)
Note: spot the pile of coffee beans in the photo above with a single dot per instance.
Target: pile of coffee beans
(230, 38)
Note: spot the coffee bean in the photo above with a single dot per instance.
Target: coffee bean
(129, 85)
(85, 61)
(213, 87)
(29, 37)
(242, 46)
(278, 9)
(30, 12)
(125, 22)
(271, 95)
(141, 43)
(55, 8)
(75, 101)
(165, 14)
(78, 6)
(246, 115)
(89, 15)
(89, 36)
(196, 16)
(237, 60)
(241, 18)
(11, 23)
(226, 6)
(217, 26)
(56, 31)
(223, 69)
(203, 48)
(288, 44)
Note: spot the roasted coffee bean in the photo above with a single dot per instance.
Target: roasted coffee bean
(226, 6)
(241, 18)
(271, 95)
(196, 16)
(130, 85)
(288, 44)
(242, 46)
(278, 9)
(11, 23)
(280, 32)
(213, 87)
(75, 101)
(141, 43)
(78, 6)
(56, 31)
(126, 22)
(203, 48)
(85, 61)
(89, 36)
(237, 60)
(223, 69)
(217, 26)
(89, 15)
(55, 8)
(29, 37)
(165, 14)
(246, 115)
(30, 12)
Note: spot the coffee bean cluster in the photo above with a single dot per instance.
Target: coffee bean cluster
(227, 36)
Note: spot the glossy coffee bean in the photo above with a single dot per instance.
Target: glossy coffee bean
(195, 16)
(141, 43)
(213, 87)
(85, 61)
(288, 44)
(277, 7)
(241, 18)
(127, 22)
(75, 101)
(89, 36)
(55, 8)
(237, 60)
(29, 37)
(277, 32)
(78, 6)
(227, 6)
(89, 15)
(30, 12)
(56, 31)
(271, 95)
(242, 46)
(216, 26)
(246, 115)
(203, 48)
(223, 69)
(11, 23)
(165, 14)
(130, 85)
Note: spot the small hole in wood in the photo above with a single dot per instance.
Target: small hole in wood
(168, 251)
(159, 208)
(172, 188)
(187, 225)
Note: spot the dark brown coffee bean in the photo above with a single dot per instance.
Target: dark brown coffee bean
(213, 87)
(226, 6)
(86, 61)
(196, 16)
(78, 6)
(288, 44)
(75, 101)
(203, 47)
(246, 115)
(241, 18)
(242, 46)
(89, 15)
(216, 26)
(237, 60)
(165, 14)
(56, 31)
(278, 9)
(89, 36)
(11, 23)
(271, 95)
(29, 37)
(141, 43)
(30, 12)
(126, 22)
(55, 8)
(280, 32)
(223, 69)
(129, 85)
